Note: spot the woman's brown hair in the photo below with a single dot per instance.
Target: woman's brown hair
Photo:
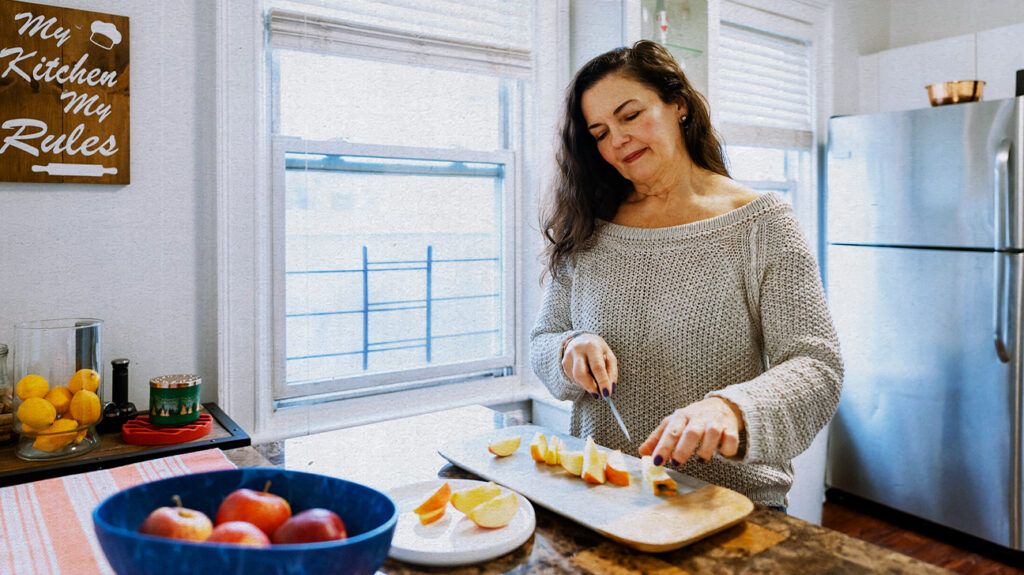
(586, 187)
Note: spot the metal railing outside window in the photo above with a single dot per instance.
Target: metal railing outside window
(369, 307)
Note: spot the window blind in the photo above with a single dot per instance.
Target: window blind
(765, 79)
(488, 36)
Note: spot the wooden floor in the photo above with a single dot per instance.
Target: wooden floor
(956, 552)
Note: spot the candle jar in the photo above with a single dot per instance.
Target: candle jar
(58, 376)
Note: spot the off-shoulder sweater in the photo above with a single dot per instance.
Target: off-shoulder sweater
(731, 306)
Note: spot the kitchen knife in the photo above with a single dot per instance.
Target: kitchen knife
(618, 418)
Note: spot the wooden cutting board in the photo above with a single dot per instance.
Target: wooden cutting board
(629, 515)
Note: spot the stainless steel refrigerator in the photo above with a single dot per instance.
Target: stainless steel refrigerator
(925, 277)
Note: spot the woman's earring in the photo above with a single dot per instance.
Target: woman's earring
(682, 120)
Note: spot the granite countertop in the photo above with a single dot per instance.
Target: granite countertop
(389, 454)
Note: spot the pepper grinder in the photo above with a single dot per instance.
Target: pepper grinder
(119, 411)
(126, 409)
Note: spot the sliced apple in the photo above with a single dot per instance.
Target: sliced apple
(504, 447)
(436, 501)
(432, 516)
(539, 448)
(466, 499)
(551, 457)
(593, 466)
(657, 477)
(494, 513)
(572, 461)
(615, 469)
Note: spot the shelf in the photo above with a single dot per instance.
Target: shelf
(687, 51)
(113, 452)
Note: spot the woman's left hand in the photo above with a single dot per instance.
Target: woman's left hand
(704, 427)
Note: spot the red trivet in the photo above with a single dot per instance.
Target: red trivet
(141, 432)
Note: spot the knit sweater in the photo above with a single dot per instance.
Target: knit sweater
(731, 307)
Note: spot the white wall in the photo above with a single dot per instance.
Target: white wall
(859, 28)
(139, 256)
(918, 21)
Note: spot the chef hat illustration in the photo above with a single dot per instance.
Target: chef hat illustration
(105, 35)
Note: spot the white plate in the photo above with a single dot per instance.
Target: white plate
(454, 539)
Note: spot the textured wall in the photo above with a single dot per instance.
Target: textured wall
(141, 256)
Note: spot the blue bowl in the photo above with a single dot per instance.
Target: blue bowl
(369, 515)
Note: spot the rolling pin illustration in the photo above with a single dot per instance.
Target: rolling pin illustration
(74, 169)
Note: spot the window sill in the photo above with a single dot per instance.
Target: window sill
(309, 419)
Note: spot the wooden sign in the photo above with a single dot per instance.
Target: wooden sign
(63, 95)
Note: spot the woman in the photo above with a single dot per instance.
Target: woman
(691, 299)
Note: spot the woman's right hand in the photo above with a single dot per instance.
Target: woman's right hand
(589, 363)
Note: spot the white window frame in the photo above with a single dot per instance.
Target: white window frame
(390, 381)
(807, 20)
(244, 249)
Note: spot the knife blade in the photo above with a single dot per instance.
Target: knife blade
(618, 418)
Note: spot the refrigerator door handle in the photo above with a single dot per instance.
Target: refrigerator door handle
(1002, 232)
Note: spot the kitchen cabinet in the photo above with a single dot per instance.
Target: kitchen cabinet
(1000, 55)
(903, 73)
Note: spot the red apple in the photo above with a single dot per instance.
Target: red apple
(239, 533)
(310, 526)
(177, 523)
(264, 510)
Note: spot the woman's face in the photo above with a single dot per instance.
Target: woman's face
(635, 131)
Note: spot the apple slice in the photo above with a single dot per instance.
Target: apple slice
(504, 447)
(593, 466)
(539, 447)
(466, 499)
(496, 512)
(572, 461)
(436, 501)
(615, 469)
(657, 477)
(551, 457)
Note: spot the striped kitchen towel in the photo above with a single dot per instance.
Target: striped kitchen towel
(44, 530)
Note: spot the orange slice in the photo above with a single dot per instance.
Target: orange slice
(436, 501)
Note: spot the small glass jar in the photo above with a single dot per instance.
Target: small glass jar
(174, 399)
(6, 400)
(58, 376)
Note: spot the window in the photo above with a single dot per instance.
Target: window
(768, 101)
(395, 158)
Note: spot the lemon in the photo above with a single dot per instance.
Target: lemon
(37, 413)
(84, 379)
(85, 407)
(60, 397)
(31, 385)
(53, 438)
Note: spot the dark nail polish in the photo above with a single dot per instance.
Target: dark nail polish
(596, 395)
(613, 387)
(674, 462)
(604, 392)
(658, 460)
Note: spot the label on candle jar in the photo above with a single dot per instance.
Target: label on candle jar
(174, 399)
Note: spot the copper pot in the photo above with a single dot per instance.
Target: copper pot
(944, 93)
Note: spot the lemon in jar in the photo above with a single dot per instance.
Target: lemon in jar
(85, 407)
(37, 413)
(31, 385)
(86, 379)
(60, 397)
(53, 438)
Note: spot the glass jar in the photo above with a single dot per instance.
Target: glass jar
(6, 401)
(58, 376)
